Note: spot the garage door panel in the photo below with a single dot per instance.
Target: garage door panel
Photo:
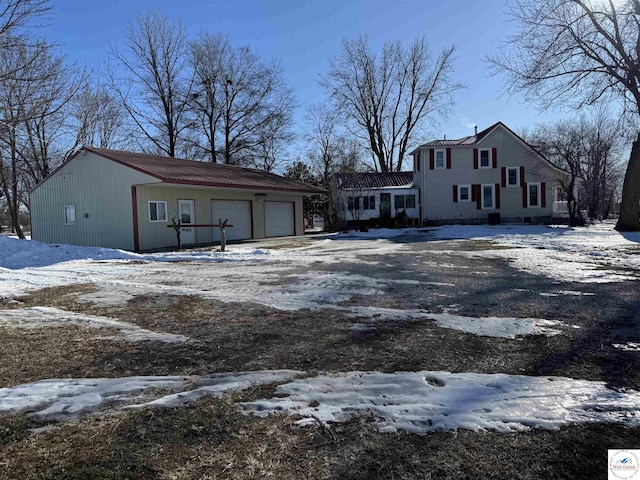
(279, 219)
(238, 212)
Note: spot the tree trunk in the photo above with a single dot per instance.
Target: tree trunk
(629, 220)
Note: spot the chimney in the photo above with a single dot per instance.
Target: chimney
(476, 129)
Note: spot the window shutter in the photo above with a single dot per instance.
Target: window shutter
(504, 176)
(431, 158)
(473, 193)
(475, 158)
(455, 194)
(478, 197)
(448, 158)
(494, 154)
(418, 158)
(543, 194)
(497, 195)
(523, 184)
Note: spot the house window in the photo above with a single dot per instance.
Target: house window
(513, 177)
(488, 196)
(369, 202)
(405, 201)
(464, 193)
(157, 211)
(69, 214)
(353, 203)
(440, 156)
(485, 158)
(533, 190)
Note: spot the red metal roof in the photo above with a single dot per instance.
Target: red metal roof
(191, 172)
(470, 140)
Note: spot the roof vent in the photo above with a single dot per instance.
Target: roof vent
(476, 129)
(445, 137)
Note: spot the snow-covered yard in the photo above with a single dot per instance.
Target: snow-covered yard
(502, 307)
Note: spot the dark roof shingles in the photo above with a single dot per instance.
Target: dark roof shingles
(374, 180)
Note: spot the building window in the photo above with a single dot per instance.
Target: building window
(488, 196)
(534, 194)
(513, 177)
(404, 201)
(369, 202)
(353, 204)
(157, 211)
(69, 214)
(464, 193)
(440, 159)
(485, 158)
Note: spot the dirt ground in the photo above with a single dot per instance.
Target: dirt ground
(212, 440)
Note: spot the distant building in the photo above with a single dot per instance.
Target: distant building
(383, 199)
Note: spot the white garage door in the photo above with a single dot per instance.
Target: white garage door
(239, 214)
(278, 219)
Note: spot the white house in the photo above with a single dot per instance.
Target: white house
(377, 198)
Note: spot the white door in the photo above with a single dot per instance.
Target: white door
(238, 212)
(186, 212)
(279, 219)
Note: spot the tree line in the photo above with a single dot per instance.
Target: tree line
(205, 98)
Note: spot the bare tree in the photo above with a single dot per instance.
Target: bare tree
(329, 152)
(387, 98)
(562, 144)
(242, 104)
(588, 148)
(98, 118)
(16, 14)
(32, 115)
(580, 51)
(155, 82)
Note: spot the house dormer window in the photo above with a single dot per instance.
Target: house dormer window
(440, 159)
(485, 158)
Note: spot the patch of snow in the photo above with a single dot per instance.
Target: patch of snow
(595, 254)
(628, 347)
(63, 398)
(483, 326)
(38, 317)
(421, 402)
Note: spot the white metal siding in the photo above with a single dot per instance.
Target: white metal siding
(238, 212)
(100, 190)
(279, 219)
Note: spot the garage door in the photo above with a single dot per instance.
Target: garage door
(278, 219)
(239, 214)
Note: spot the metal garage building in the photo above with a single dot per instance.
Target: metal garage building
(125, 200)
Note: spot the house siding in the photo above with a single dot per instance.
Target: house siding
(100, 189)
(156, 235)
(437, 184)
(346, 216)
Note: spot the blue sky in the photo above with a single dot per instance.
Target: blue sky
(303, 34)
